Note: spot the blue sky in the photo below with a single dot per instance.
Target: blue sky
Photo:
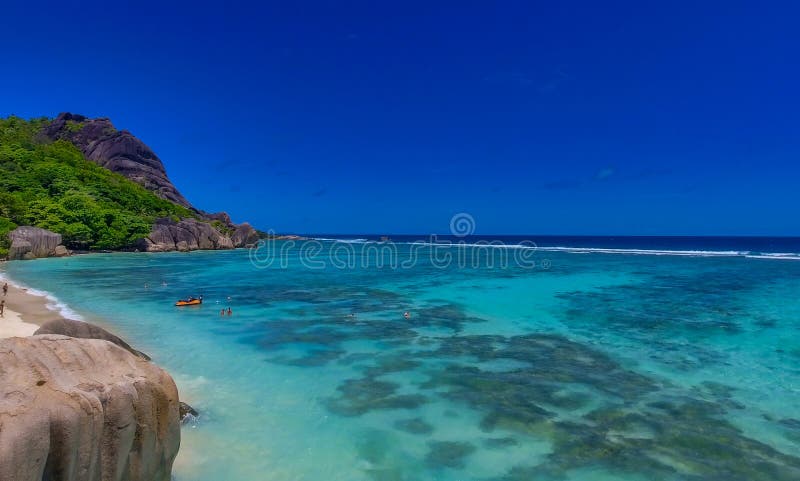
(390, 117)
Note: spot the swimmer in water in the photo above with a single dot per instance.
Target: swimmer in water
(407, 315)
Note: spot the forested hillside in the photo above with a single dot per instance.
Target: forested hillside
(50, 184)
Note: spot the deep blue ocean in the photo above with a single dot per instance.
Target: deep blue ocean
(562, 358)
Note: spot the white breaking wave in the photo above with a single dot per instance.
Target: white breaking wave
(650, 252)
(595, 250)
(775, 255)
(53, 303)
(346, 241)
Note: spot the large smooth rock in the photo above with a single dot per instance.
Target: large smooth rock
(35, 241)
(84, 410)
(19, 249)
(85, 330)
(186, 235)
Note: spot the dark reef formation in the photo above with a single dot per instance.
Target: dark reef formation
(593, 410)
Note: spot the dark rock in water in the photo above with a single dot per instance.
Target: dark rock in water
(414, 426)
(317, 357)
(790, 423)
(244, 235)
(31, 242)
(499, 443)
(359, 396)
(448, 454)
(85, 330)
(682, 438)
(390, 364)
(116, 150)
(186, 412)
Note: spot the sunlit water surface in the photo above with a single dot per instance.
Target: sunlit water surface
(600, 367)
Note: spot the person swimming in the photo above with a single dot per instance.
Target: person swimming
(407, 315)
(229, 311)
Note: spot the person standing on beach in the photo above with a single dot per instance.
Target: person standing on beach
(2, 307)
(5, 288)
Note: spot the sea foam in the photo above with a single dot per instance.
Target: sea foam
(52, 302)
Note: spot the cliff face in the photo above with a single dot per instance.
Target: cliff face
(186, 235)
(84, 410)
(121, 152)
(116, 150)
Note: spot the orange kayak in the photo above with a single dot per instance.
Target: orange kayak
(189, 302)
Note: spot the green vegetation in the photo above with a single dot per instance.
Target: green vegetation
(222, 228)
(51, 185)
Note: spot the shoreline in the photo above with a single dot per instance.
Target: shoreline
(24, 311)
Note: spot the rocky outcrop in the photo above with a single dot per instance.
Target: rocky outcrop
(244, 235)
(121, 152)
(84, 410)
(186, 235)
(187, 413)
(31, 242)
(117, 150)
(85, 330)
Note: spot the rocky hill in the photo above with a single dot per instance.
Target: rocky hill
(49, 178)
(116, 150)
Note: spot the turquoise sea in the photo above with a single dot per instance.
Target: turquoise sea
(579, 365)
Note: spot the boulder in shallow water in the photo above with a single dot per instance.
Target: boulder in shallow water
(244, 235)
(61, 251)
(84, 410)
(187, 412)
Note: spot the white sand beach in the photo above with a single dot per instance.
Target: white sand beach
(12, 325)
(24, 312)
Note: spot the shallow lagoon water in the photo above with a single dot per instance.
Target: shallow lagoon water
(601, 367)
